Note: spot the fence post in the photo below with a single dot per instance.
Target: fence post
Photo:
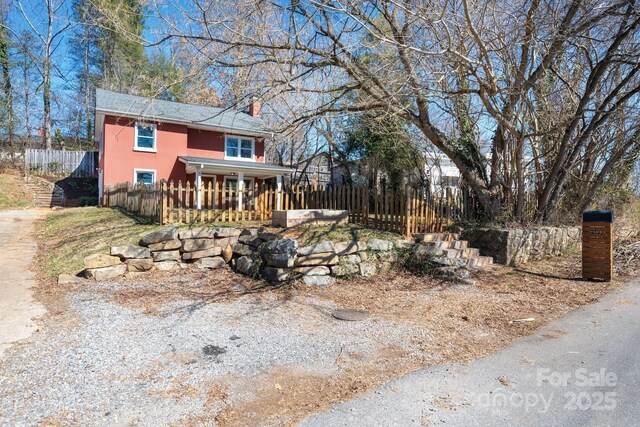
(140, 197)
(163, 201)
(407, 212)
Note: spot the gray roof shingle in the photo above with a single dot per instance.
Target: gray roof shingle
(121, 104)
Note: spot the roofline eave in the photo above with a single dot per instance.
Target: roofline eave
(193, 125)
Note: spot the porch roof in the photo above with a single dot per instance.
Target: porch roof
(233, 167)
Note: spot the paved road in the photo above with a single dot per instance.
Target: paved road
(581, 370)
(17, 252)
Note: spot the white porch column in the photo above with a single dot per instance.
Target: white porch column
(240, 188)
(279, 192)
(198, 188)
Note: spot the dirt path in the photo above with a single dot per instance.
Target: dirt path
(17, 252)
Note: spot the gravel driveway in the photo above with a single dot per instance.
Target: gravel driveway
(17, 306)
(215, 348)
(109, 362)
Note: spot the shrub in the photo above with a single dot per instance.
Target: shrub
(88, 201)
(417, 264)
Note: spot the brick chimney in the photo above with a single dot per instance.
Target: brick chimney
(254, 107)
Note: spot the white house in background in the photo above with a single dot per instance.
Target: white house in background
(442, 172)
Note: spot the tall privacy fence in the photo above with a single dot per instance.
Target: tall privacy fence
(60, 162)
(405, 212)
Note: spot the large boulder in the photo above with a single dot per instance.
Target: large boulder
(137, 265)
(285, 246)
(251, 231)
(192, 245)
(318, 280)
(272, 274)
(168, 245)
(367, 269)
(318, 270)
(166, 256)
(379, 245)
(126, 252)
(206, 253)
(254, 241)
(105, 273)
(317, 259)
(70, 279)
(210, 262)
(197, 233)
(244, 265)
(227, 253)
(167, 265)
(279, 260)
(243, 250)
(404, 244)
(268, 236)
(346, 248)
(317, 248)
(100, 261)
(169, 233)
(351, 259)
(224, 241)
(388, 256)
(345, 270)
(227, 232)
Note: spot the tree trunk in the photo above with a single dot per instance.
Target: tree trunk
(46, 79)
(6, 74)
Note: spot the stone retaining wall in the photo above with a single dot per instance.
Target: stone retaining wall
(252, 251)
(512, 246)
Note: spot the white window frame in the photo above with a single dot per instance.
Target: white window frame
(155, 138)
(135, 175)
(247, 138)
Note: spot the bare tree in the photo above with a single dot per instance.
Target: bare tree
(6, 75)
(537, 80)
(49, 33)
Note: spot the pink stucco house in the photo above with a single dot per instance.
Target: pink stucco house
(145, 140)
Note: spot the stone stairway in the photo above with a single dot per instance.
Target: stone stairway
(47, 194)
(450, 250)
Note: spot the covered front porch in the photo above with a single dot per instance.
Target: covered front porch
(236, 184)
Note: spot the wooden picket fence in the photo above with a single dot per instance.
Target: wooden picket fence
(60, 162)
(406, 213)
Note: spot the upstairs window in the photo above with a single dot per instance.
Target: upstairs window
(239, 148)
(145, 139)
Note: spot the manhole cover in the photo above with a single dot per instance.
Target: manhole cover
(350, 314)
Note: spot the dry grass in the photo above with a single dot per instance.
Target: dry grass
(69, 235)
(307, 235)
(13, 192)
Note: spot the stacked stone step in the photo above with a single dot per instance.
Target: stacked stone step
(45, 194)
(449, 250)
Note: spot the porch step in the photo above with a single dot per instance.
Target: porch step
(448, 250)
(479, 261)
(436, 237)
(451, 244)
(462, 253)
